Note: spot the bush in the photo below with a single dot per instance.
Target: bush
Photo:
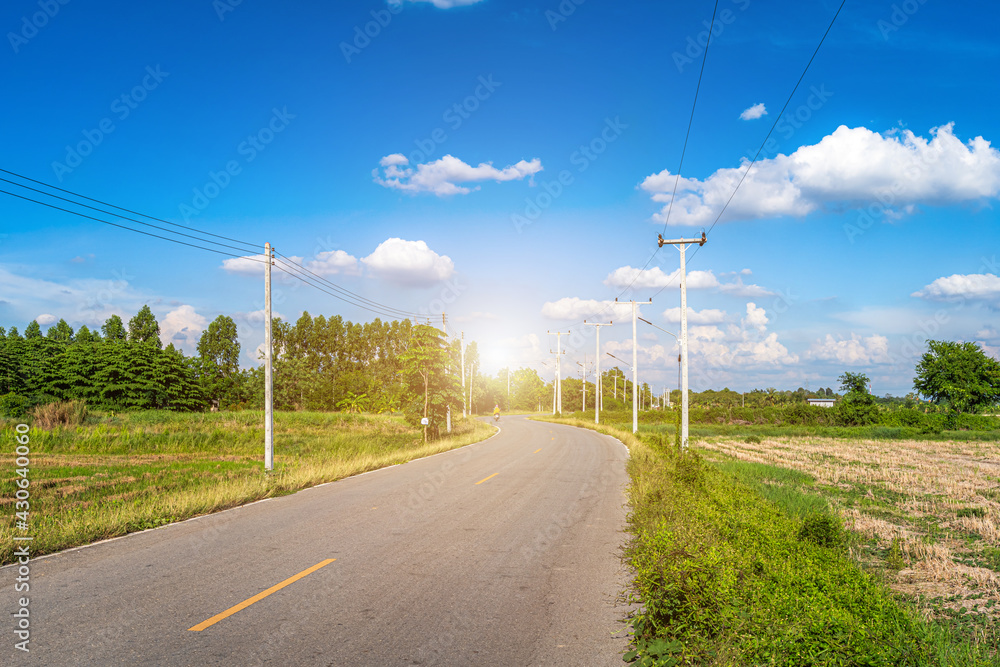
(856, 412)
(822, 529)
(13, 406)
(65, 413)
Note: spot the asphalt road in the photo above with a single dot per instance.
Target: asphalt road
(501, 553)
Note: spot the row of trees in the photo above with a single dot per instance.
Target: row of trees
(331, 364)
(116, 368)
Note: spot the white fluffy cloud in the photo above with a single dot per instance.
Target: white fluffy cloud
(445, 176)
(334, 262)
(712, 348)
(574, 308)
(89, 301)
(45, 319)
(854, 351)
(754, 112)
(409, 263)
(252, 265)
(625, 276)
(707, 316)
(851, 166)
(182, 327)
(979, 286)
(738, 288)
(749, 346)
(756, 318)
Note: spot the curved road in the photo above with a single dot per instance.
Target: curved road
(500, 553)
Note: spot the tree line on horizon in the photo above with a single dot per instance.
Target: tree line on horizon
(331, 364)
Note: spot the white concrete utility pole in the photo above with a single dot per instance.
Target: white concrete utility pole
(462, 347)
(682, 245)
(598, 381)
(635, 365)
(558, 335)
(268, 377)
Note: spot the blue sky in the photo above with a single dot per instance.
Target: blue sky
(513, 163)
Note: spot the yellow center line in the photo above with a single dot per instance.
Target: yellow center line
(483, 480)
(537, 450)
(260, 596)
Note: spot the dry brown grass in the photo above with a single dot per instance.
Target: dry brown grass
(911, 492)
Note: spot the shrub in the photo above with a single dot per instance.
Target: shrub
(895, 561)
(65, 413)
(13, 406)
(822, 529)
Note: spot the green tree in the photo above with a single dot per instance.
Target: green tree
(528, 390)
(432, 389)
(858, 407)
(61, 332)
(33, 330)
(114, 329)
(143, 328)
(959, 374)
(85, 335)
(219, 352)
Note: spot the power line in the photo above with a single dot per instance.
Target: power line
(377, 308)
(137, 231)
(680, 167)
(120, 208)
(296, 269)
(349, 293)
(778, 117)
(773, 126)
(117, 215)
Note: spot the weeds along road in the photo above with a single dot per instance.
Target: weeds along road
(500, 553)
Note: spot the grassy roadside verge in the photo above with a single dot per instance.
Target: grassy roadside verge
(725, 576)
(135, 471)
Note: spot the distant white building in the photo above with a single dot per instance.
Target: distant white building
(820, 402)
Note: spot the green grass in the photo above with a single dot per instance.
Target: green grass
(657, 421)
(126, 472)
(742, 564)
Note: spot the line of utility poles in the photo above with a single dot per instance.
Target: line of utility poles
(558, 389)
(598, 381)
(635, 364)
(682, 245)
